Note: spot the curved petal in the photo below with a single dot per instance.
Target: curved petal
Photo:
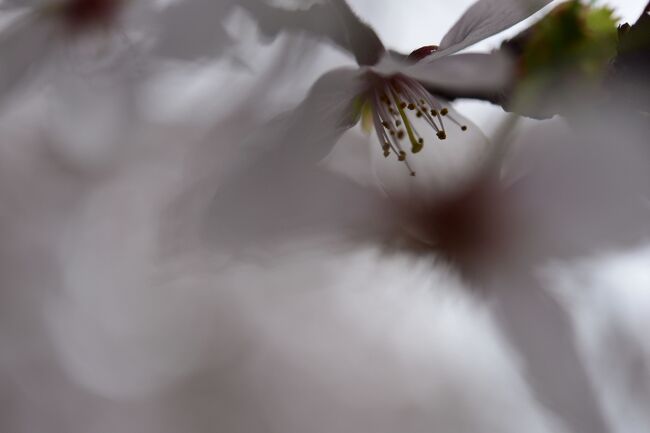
(464, 74)
(484, 19)
(333, 20)
(307, 133)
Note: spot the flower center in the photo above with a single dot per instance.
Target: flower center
(80, 15)
(393, 103)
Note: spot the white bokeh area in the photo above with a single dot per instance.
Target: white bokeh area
(142, 290)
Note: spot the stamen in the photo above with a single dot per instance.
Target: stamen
(415, 147)
(390, 97)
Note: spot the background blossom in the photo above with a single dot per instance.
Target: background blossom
(135, 297)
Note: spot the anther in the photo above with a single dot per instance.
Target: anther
(444, 111)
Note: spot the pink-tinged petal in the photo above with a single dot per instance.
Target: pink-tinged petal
(484, 19)
(464, 74)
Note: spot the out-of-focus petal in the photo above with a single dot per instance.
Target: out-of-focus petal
(582, 189)
(608, 300)
(484, 19)
(353, 331)
(276, 185)
(570, 191)
(207, 36)
(333, 20)
(92, 106)
(25, 45)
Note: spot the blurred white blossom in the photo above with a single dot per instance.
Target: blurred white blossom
(185, 249)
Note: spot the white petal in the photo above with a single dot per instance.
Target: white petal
(484, 19)
(609, 302)
(305, 134)
(464, 74)
(583, 190)
(333, 20)
(277, 184)
(362, 340)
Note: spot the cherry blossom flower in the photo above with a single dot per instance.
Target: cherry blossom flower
(393, 92)
(495, 230)
(390, 96)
